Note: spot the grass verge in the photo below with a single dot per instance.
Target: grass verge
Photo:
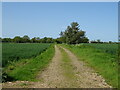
(68, 68)
(27, 69)
(103, 63)
(66, 64)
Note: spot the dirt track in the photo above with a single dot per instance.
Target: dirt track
(86, 76)
(53, 77)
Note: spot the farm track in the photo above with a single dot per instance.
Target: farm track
(53, 77)
(86, 76)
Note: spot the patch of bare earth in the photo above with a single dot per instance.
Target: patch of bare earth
(17, 84)
(86, 76)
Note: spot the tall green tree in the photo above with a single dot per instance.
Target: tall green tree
(73, 34)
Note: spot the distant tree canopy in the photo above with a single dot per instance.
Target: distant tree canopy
(0, 39)
(73, 35)
(26, 39)
(6, 40)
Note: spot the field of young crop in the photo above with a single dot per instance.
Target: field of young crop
(14, 51)
(108, 48)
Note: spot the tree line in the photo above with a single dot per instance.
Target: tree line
(72, 35)
(26, 39)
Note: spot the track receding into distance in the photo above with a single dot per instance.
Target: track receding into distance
(68, 73)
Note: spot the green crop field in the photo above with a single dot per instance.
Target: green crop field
(108, 48)
(16, 51)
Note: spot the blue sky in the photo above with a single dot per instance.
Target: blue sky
(98, 19)
(0, 19)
